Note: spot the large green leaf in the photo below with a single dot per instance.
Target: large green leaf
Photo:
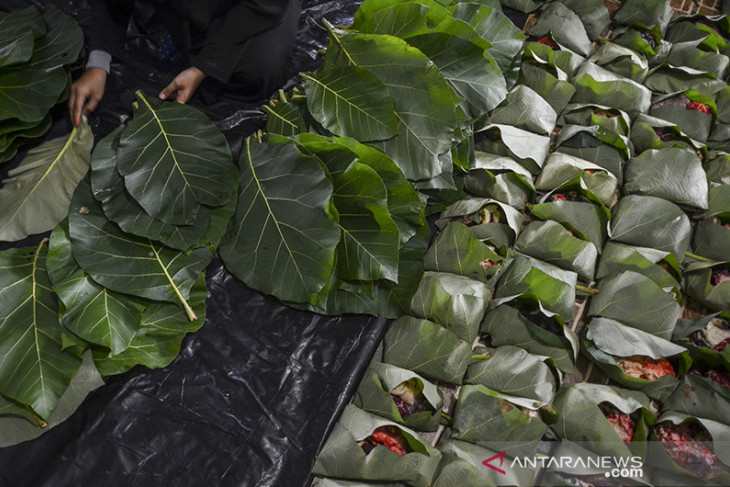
(637, 301)
(18, 30)
(351, 102)
(427, 349)
(471, 71)
(669, 79)
(34, 369)
(14, 429)
(89, 310)
(37, 193)
(455, 302)
(594, 84)
(593, 13)
(282, 239)
(527, 148)
(645, 12)
(368, 249)
(119, 206)
(173, 160)
(483, 417)
(508, 326)
(157, 340)
(492, 25)
(522, 378)
(552, 243)
(618, 339)
(648, 221)
(673, 174)
(62, 43)
(702, 397)
(127, 264)
(550, 84)
(688, 54)
(423, 101)
(30, 93)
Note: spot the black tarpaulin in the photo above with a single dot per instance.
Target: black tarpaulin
(253, 394)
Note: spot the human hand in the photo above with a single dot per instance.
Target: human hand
(184, 85)
(86, 93)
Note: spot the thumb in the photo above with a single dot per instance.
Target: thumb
(169, 90)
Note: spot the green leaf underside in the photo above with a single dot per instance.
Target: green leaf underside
(282, 239)
(37, 193)
(369, 247)
(127, 264)
(351, 102)
(173, 159)
(34, 370)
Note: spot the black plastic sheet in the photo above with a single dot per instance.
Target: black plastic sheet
(252, 396)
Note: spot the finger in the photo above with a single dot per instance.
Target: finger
(183, 96)
(71, 99)
(78, 104)
(91, 105)
(168, 91)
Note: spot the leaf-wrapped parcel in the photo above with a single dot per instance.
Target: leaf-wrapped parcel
(534, 331)
(37, 193)
(401, 396)
(607, 420)
(692, 112)
(593, 13)
(597, 144)
(552, 243)
(561, 168)
(594, 84)
(462, 464)
(634, 358)
(712, 235)
(622, 61)
(522, 378)
(426, 348)
(529, 149)
(654, 133)
(455, 302)
(708, 283)
(565, 26)
(548, 81)
(701, 397)
(648, 221)
(717, 167)
(537, 283)
(669, 79)
(500, 178)
(672, 174)
(586, 114)
(659, 266)
(560, 61)
(636, 301)
(587, 221)
(690, 55)
(483, 417)
(648, 13)
(641, 39)
(342, 457)
(708, 460)
(525, 109)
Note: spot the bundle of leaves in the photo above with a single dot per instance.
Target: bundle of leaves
(124, 274)
(38, 49)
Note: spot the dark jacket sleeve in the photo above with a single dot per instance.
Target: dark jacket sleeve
(109, 19)
(222, 47)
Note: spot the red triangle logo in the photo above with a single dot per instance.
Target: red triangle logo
(488, 463)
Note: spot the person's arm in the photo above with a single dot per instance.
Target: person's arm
(220, 52)
(106, 35)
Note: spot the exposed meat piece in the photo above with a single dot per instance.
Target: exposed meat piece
(408, 397)
(389, 437)
(664, 134)
(599, 112)
(493, 134)
(687, 444)
(699, 106)
(648, 38)
(622, 423)
(536, 317)
(679, 99)
(722, 345)
(549, 42)
(720, 273)
(719, 376)
(643, 367)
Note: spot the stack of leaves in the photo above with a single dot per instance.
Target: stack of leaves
(365, 145)
(37, 52)
(124, 274)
